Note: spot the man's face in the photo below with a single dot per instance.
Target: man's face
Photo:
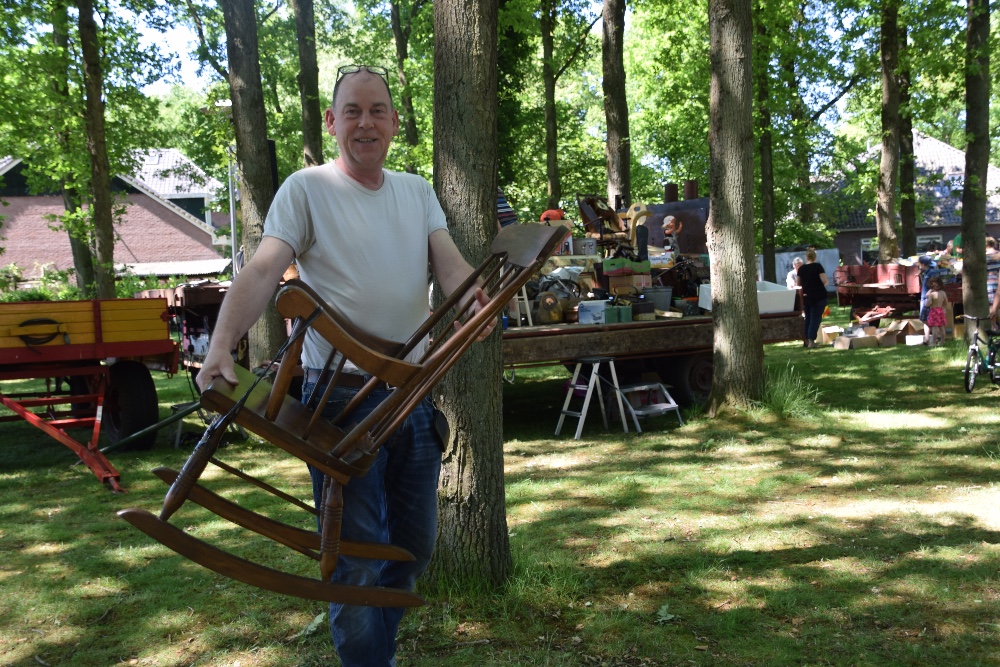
(363, 122)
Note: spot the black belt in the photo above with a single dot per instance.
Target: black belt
(346, 380)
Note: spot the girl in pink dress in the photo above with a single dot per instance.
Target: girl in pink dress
(936, 302)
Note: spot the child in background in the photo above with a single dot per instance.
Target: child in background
(936, 319)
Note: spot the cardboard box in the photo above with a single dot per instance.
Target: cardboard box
(854, 342)
(617, 266)
(914, 339)
(636, 282)
(907, 327)
(864, 341)
(870, 331)
(591, 312)
(886, 338)
(828, 334)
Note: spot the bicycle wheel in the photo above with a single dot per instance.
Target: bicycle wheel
(971, 369)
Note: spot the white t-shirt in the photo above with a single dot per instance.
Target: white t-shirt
(791, 278)
(364, 251)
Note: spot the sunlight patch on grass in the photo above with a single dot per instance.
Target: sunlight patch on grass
(890, 420)
(981, 505)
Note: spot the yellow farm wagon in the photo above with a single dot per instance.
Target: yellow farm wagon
(95, 358)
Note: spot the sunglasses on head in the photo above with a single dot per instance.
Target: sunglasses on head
(351, 69)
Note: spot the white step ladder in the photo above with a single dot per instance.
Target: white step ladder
(593, 382)
(659, 402)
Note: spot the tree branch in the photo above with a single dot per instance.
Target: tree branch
(853, 81)
(271, 13)
(579, 47)
(204, 50)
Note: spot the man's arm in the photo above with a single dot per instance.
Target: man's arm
(250, 293)
(451, 270)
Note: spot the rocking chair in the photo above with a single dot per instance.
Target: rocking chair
(342, 452)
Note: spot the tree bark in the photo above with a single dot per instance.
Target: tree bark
(472, 537)
(617, 149)
(885, 210)
(100, 169)
(548, 26)
(77, 231)
(907, 171)
(308, 79)
(738, 353)
(763, 50)
(977, 153)
(401, 36)
(252, 155)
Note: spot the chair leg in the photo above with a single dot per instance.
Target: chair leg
(331, 518)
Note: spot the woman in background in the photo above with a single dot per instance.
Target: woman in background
(813, 281)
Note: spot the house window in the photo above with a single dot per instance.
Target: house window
(927, 242)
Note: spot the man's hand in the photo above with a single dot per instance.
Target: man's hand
(480, 302)
(218, 363)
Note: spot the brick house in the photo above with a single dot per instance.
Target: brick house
(940, 172)
(168, 219)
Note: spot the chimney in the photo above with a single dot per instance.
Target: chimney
(690, 189)
(669, 193)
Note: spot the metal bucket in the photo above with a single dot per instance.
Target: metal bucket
(659, 296)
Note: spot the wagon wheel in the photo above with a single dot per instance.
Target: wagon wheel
(689, 376)
(130, 404)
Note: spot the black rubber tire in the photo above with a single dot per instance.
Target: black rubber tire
(690, 377)
(130, 404)
(991, 360)
(971, 370)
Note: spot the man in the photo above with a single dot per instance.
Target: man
(362, 236)
(954, 247)
(792, 277)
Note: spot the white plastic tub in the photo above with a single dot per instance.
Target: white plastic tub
(771, 297)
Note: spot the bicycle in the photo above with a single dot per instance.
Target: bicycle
(976, 362)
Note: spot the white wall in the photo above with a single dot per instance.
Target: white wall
(829, 258)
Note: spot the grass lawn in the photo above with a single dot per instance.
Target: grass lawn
(862, 532)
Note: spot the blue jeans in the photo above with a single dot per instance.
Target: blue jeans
(814, 316)
(396, 502)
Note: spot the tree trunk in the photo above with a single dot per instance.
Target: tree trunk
(885, 211)
(907, 171)
(308, 78)
(617, 149)
(762, 47)
(977, 153)
(401, 36)
(100, 169)
(252, 155)
(77, 231)
(472, 535)
(738, 357)
(548, 25)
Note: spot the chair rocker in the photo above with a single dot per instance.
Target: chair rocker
(343, 449)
